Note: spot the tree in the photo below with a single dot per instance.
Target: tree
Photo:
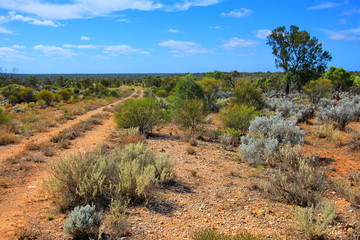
(341, 79)
(186, 89)
(211, 87)
(298, 54)
(249, 93)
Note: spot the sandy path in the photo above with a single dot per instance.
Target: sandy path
(27, 200)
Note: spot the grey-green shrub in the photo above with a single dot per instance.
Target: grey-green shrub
(133, 173)
(342, 114)
(83, 222)
(315, 222)
(265, 136)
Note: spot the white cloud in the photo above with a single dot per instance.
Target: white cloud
(180, 48)
(17, 46)
(238, 13)
(123, 20)
(238, 43)
(55, 51)
(84, 38)
(325, 5)
(13, 16)
(117, 50)
(216, 27)
(262, 34)
(185, 5)
(87, 46)
(11, 54)
(173, 30)
(5, 31)
(346, 35)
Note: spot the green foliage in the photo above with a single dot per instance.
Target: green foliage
(298, 54)
(131, 174)
(46, 96)
(238, 116)
(3, 117)
(317, 89)
(248, 93)
(143, 113)
(161, 93)
(341, 79)
(83, 222)
(11, 92)
(212, 234)
(190, 113)
(357, 81)
(186, 88)
(27, 94)
(211, 87)
(64, 94)
(315, 222)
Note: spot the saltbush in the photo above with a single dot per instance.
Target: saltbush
(83, 222)
(266, 135)
(131, 174)
(342, 114)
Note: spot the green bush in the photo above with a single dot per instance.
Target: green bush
(131, 174)
(248, 93)
(83, 222)
(186, 89)
(11, 92)
(46, 96)
(238, 116)
(64, 95)
(143, 113)
(317, 89)
(190, 113)
(3, 118)
(27, 94)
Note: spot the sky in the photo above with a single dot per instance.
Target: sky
(167, 36)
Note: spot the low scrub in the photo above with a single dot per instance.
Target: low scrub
(238, 116)
(212, 234)
(326, 131)
(316, 222)
(83, 222)
(131, 174)
(7, 137)
(298, 180)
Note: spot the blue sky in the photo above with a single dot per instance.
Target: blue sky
(162, 36)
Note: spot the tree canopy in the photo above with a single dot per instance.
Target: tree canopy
(298, 54)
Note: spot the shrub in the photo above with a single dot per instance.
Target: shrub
(143, 113)
(27, 94)
(131, 174)
(83, 222)
(7, 137)
(186, 88)
(315, 221)
(64, 94)
(317, 89)
(342, 114)
(116, 221)
(212, 234)
(326, 131)
(238, 116)
(348, 190)
(298, 179)
(289, 109)
(190, 113)
(46, 96)
(4, 118)
(248, 93)
(11, 92)
(266, 134)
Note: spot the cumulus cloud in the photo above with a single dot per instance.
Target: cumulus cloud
(181, 48)
(238, 43)
(325, 5)
(55, 51)
(262, 34)
(171, 30)
(12, 54)
(86, 46)
(116, 50)
(346, 35)
(238, 13)
(13, 16)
